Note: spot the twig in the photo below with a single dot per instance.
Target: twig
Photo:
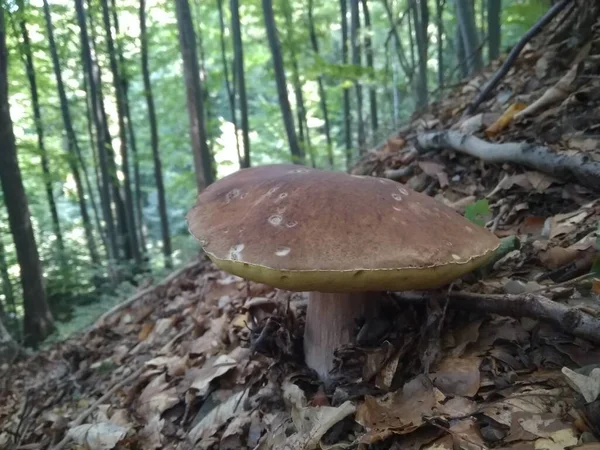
(546, 18)
(578, 166)
(173, 275)
(85, 414)
(535, 306)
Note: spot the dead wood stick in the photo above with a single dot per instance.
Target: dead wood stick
(85, 414)
(534, 306)
(516, 50)
(143, 292)
(578, 166)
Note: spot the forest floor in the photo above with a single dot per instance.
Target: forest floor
(207, 360)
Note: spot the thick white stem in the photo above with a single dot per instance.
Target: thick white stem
(330, 322)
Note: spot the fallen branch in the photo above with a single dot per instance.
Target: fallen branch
(173, 275)
(534, 306)
(85, 414)
(516, 50)
(577, 165)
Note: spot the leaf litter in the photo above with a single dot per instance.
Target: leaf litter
(220, 359)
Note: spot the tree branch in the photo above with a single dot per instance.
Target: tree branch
(578, 166)
(535, 306)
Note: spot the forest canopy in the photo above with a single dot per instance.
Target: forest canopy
(122, 110)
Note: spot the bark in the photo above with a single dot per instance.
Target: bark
(461, 55)
(7, 287)
(158, 176)
(8, 347)
(535, 306)
(228, 87)
(494, 9)
(356, 61)
(370, 65)
(124, 78)
(72, 145)
(408, 69)
(284, 104)
(38, 322)
(346, 92)
(97, 108)
(131, 229)
(37, 117)
(576, 166)
(322, 95)
(102, 124)
(303, 132)
(240, 77)
(470, 37)
(439, 9)
(421, 16)
(195, 104)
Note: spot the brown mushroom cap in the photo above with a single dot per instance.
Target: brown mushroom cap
(304, 229)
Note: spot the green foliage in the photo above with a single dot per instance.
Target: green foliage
(478, 212)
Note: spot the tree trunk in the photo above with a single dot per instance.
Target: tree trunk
(284, 104)
(37, 116)
(158, 176)
(8, 346)
(131, 229)
(7, 287)
(124, 78)
(370, 65)
(303, 134)
(195, 104)
(346, 92)
(439, 9)
(38, 322)
(72, 145)
(460, 54)
(356, 61)
(240, 77)
(228, 87)
(494, 9)
(101, 139)
(322, 95)
(470, 38)
(421, 15)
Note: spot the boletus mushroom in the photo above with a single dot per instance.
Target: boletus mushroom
(343, 238)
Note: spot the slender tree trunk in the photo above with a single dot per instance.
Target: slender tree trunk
(284, 104)
(322, 95)
(356, 61)
(229, 88)
(468, 29)
(7, 287)
(37, 116)
(420, 12)
(494, 9)
(131, 233)
(346, 92)
(158, 176)
(460, 54)
(38, 322)
(124, 78)
(72, 145)
(240, 77)
(303, 132)
(439, 9)
(195, 104)
(101, 140)
(370, 65)
(8, 346)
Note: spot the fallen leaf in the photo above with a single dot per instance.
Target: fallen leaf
(217, 417)
(98, 436)
(212, 369)
(399, 412)
(504, 120)
(587, 385)
(150, 436)
(156, 398)
(457, 376)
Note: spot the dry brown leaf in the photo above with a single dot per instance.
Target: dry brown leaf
(212, 340)
(156, 398)
(504, 120)
(98, 436)
(217, 417)
(399, 412)
(232, 436)
(466, 435)
(212, 369)
(587, 385)
(458, 376)
(150, 436)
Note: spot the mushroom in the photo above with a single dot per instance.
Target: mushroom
(344, 238)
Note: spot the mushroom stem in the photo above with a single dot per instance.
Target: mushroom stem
(330, 323)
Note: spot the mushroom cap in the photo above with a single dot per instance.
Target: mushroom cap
(303, 229)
